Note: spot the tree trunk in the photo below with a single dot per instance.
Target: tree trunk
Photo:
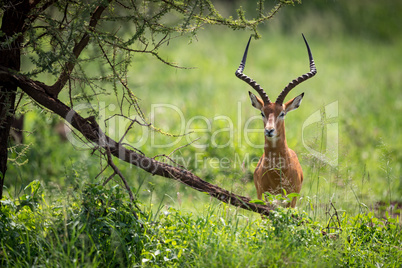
(12, 26)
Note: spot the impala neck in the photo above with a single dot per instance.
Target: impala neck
(277, 146)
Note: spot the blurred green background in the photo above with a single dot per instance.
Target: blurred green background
(357, 49)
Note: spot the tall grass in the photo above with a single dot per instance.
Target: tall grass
(98, 229)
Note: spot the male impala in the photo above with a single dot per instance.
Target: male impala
(278, 168)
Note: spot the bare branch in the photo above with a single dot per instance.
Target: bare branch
(178, 148)
(91, 131)
(110, 177)
(153, 52)
(118, 172)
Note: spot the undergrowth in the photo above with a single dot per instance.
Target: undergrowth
(97, 228)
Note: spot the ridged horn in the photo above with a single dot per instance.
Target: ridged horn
(248, 80)
(300, 79)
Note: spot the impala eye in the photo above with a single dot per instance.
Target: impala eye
(263, 115)
(282, 115)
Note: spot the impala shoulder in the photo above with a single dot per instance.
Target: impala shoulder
(291, 152)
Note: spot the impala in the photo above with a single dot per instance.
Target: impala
(278, 169)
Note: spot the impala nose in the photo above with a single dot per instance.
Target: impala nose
(269, 132)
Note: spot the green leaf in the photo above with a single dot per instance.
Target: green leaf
(257, 201)
(291, 195)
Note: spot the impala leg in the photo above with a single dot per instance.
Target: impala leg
(257, 180)
(294, 199)
(292, 203)
(259, 190)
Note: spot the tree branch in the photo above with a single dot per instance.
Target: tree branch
(55, 89)
(118, 172)
(91, 131)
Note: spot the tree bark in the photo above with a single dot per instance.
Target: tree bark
(12, 24)
(16, 20)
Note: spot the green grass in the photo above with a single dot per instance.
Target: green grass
(360, 76)
(96, 227)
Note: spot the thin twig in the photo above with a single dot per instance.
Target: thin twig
(178, 148)
(78, 48)
(101, 172)
(332, 219)
(118, 172)
(110, 177)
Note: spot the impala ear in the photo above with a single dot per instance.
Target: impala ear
(294, 103)
(255, 101)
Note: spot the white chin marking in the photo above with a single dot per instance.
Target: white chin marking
(273, 140)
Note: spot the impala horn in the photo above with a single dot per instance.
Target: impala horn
(248, 80)
(298, 80)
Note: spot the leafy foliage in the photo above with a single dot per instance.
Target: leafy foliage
(98, 227)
